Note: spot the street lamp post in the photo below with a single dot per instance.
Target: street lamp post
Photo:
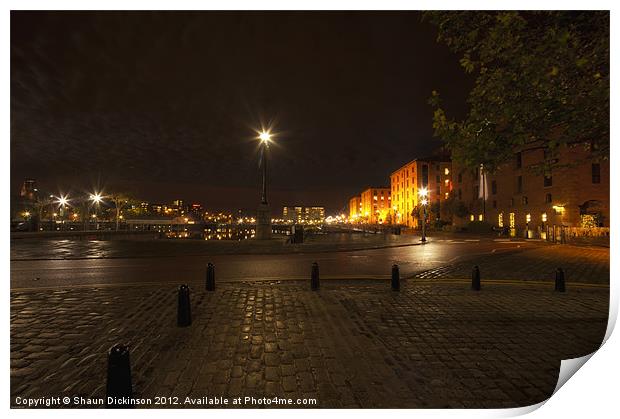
(423, 194)
(96, 198)
(263, 216)
(265, 137)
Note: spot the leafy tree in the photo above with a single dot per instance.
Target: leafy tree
(541, 78)
(455, 207)
(120, 200)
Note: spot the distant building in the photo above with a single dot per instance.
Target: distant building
(314, 214)
(522, 195)
(157, 209)
(292, 214)
(355, 208)
(28, 191)
(375, 205)
(301, 215)
(26, 201)
(434, 174)
(179, 207)
(197, 210)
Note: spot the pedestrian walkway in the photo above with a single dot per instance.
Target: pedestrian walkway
(351, 344)
(580, 264)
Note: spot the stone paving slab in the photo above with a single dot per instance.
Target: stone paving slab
(351, 344)
(580, 264)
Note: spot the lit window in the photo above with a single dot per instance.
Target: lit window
(471, 217)
(528, 218)
(512, 220)
(479, 217)
(544, 217)
(500, 219)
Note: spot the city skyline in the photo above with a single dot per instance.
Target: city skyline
(187, 127)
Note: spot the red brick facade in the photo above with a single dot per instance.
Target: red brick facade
(520, 196)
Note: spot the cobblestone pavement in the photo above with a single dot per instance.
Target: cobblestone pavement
(351, 344)
(580, 264)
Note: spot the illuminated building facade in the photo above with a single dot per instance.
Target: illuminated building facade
(375, 205)
(355, 208)
(314, 214)
(434, 174)
(523, 196)
(302, 215)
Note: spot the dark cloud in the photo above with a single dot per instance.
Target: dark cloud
(158, 100)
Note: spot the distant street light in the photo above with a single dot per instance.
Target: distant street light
(423, 192)
(96, 198)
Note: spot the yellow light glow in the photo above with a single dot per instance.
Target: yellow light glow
(446, 171)
(423, 192)
(544, 217)
(26, 214)
(63, 200)
(424, 201)
(528, 218)
(265, 137)
(96, 197)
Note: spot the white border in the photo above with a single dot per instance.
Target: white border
(591, 393)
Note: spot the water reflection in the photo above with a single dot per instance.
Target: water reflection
(222, 233)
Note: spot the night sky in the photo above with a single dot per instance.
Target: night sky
(164, 105)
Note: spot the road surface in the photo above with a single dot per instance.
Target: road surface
(179, 268)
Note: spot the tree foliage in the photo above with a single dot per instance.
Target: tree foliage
(541, 78)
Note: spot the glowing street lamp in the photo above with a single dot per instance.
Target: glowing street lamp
(63, 201)
(265, 139)
(423, 192)
(96, 198)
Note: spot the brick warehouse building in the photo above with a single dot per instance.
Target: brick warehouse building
(355, 207)
(433, 173)
(371, 206)
(520, 196)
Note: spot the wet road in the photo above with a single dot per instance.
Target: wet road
(183, 268)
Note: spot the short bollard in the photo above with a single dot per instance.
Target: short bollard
(475, 278)
(314, 279)
(184, 313)
(210, 285)
(395, 278)
(118, 383)
(560, 284)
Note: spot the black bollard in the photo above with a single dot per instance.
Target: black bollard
(395, 278)
(560, 284)
(314, 279)
(210, 285)
(475, 278)
(184, 313)
(118, 385)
